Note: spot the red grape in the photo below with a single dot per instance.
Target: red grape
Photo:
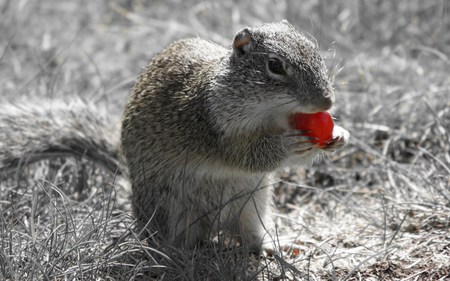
(317, 125)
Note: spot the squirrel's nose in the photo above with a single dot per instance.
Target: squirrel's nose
(326, 102)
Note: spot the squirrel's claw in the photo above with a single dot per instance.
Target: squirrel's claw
(339, 139)
(299, 143)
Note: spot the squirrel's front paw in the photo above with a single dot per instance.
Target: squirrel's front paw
(299, 142)
(339, 139)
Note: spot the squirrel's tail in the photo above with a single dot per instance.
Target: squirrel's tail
(33, 130)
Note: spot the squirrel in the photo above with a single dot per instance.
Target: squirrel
(203, 132)
(205, 127)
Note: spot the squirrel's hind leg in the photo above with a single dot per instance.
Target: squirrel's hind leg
(255, 222)
(189, 228)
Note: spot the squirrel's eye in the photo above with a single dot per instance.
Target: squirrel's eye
(276, 66)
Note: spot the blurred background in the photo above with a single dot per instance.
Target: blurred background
(97, 48)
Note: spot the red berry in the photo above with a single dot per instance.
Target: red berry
(318, 125)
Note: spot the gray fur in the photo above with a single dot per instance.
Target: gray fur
(32, 129)
(205, 127)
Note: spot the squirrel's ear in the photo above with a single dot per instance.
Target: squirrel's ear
(243, 42)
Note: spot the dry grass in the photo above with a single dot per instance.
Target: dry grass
(377, 210)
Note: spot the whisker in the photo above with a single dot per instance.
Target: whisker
(293, 101)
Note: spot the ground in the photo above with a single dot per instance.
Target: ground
(376, 210)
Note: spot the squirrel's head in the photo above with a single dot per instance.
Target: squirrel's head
(276, 71)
